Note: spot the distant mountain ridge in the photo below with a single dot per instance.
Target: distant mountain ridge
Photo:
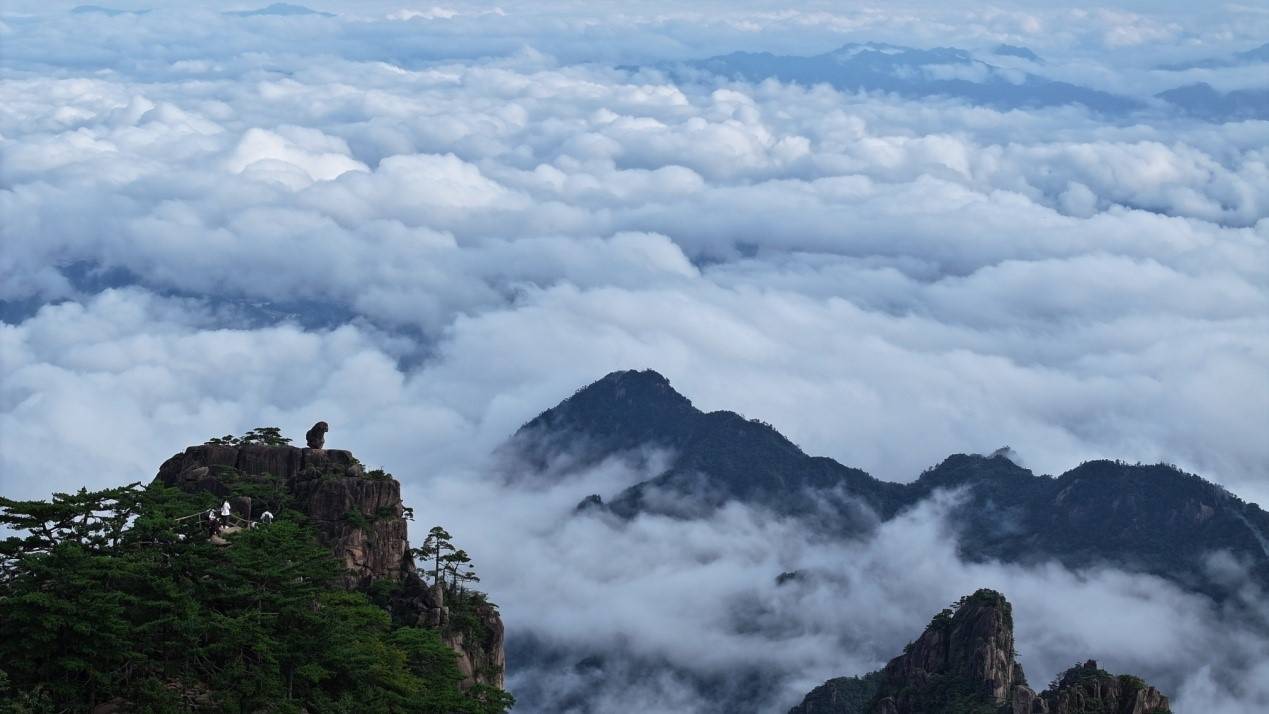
(1204, 101)
(1254, 55)
(1146, 518)
(915, 72)
(992, 78)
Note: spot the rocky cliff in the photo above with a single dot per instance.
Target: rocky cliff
(965, 662)
(964, 658)
(360, 517)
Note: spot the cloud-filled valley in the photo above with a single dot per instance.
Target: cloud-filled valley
(427, 224)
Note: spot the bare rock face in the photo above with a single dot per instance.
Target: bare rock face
(971, 647)
(361, 519)
(482, 655)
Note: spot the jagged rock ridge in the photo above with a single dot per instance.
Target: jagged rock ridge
(359, 516)
(965, 662)
(1149, 518)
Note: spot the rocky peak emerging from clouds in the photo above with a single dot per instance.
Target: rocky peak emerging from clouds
(624, 411)
(358, 515)
(965, 662)
(964, 658)
(715, 457)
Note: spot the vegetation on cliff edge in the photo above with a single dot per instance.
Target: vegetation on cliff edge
(109, 599)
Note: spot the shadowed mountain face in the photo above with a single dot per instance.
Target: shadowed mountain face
(910, 72)
(717, 456)
(1154, 519)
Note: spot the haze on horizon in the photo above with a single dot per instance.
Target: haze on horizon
(425, 223)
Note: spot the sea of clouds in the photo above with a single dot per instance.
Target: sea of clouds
(425, 224)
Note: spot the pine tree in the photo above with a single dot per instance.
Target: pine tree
(108, 597)
(436, 547)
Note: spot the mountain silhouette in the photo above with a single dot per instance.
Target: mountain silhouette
(1154, 519)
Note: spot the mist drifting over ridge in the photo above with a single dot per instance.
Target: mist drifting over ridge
(427, 224)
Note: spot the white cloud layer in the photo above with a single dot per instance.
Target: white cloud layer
(425, 224)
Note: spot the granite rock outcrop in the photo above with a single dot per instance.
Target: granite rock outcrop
(965, 662)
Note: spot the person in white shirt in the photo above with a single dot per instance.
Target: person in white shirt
(224, 510)
(266, 518)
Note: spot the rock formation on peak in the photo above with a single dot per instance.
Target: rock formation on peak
(964, 663)
(359, 516)
(316, 436)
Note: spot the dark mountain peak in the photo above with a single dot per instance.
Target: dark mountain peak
(635, 382)
(713, 458)
(638, 401)
(971, 469)
(965, 662)
(622, 412)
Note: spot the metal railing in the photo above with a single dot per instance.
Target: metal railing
(229, 520)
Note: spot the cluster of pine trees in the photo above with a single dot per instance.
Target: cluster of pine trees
(109, 599)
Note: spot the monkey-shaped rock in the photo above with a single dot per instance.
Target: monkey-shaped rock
(316, 437)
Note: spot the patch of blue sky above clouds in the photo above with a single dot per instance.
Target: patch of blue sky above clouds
(426, 222)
